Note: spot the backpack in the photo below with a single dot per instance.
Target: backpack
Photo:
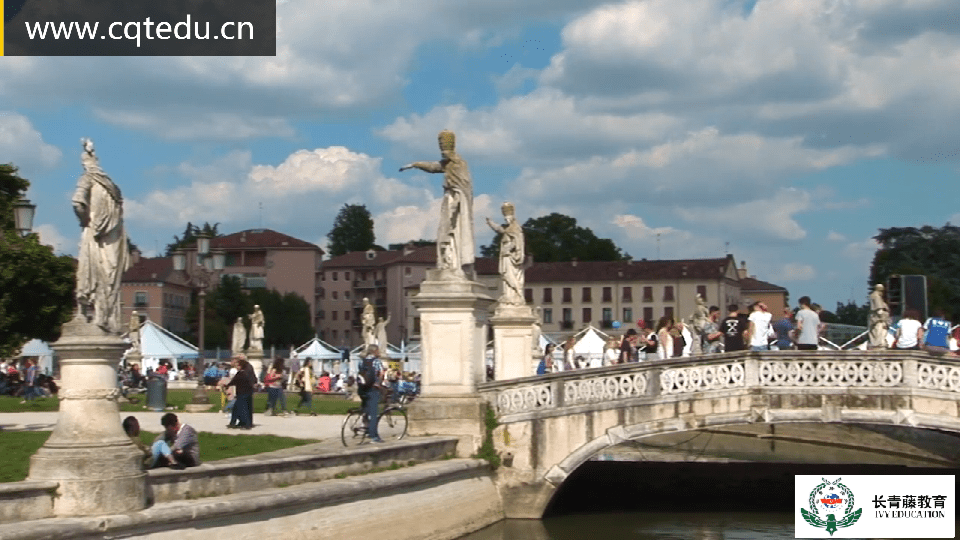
(367, 376)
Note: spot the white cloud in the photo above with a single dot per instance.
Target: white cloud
(796, 272)
(50, 236)
(834, 236)
(22, 145)
(771, 218)
(863, 250)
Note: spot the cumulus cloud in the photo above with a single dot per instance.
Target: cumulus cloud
(51, 236)
(771, 218)
(796, 272)
(834, 236)
(22, 145)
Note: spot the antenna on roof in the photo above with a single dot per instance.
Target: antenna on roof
(260, 225)
(726, 248)
(658, 246)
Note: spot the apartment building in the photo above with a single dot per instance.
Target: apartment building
(155, 291)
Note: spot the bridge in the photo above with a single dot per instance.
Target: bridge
(550, 425)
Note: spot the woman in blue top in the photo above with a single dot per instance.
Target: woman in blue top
(937, 330)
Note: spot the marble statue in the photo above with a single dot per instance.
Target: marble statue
(104, 255)
(256, 329)
(133, 334)
(455, 248)
(879, 319)
(368, 323)
(511, 257)
(381, 333)
(239, 336)
(699, 320)
(537, 326)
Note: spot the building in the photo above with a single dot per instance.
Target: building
(260, 258)
(155, 291)
(753, 290)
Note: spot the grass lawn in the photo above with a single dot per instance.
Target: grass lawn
(178, 398)
(16, 447)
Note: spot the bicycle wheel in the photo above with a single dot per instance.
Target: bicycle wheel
(353, 431)
(392, 424)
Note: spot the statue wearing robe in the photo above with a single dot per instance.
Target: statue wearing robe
(256, 329)
(511, 257)
(239, 336)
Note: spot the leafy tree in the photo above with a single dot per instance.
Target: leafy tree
(352, 230)
(556, 238)
(287, 315)
(930, 251)
(36, 286)
(190, 235)
(851, 313)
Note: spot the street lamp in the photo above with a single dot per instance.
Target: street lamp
(209, 264)
(23, 212)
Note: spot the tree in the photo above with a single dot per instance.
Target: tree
(352, 230)
(36, 286)
(556, 238)
(930, 251)
(851, 313)
(190, 235)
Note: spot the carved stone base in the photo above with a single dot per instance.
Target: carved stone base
(255, 357)
(513, 342)
(98, 468)
(460, 416)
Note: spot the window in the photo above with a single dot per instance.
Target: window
(567, 314)
(627, 315)
(628, 294)
(322, 293)
(321, 314)
(346, 336)
(346, 277)
(567, 294)
(702, 291)
(323, 276)
(668, 311)
(408, 271)
(547, 295)
(333, 315)
(346, 316)
(416, 326)
(587, 315)
(140, 299)
(334, 333)
(668, 293)
(547, 316)
(648, 294)
(607, 314)
(587, 295)
(648, 316)
(528, 296)
(255, 258)
(334, 276)
(608, 294)
(346, 295)
(333, 294)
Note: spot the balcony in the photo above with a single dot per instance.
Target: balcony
(566, 325)
(141, 304)
(369, 283)
(606, 323)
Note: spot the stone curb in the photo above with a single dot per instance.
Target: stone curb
(244, 506)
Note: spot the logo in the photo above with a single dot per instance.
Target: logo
(831, 507)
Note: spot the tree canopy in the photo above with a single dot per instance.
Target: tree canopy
(36, 286)
(190, 235)
(930, 251)
(557, 238)
(352, 230)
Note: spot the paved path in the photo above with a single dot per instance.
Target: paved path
(321, 427)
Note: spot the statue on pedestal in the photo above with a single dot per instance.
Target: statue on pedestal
(381, 333)
(879, 319)
(104, 255)
(537, 326)
(511, 257)
(455, 247)
(239, 336)
(368, 324)
(256, 329)
(699, 319)
(133, 334)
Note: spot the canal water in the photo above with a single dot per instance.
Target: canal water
(676, 501)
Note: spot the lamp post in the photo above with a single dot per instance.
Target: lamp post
(208, 265)
(23, 212)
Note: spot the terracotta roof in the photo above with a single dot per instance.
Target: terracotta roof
(633, 270)
(750, 284)
(423, 254)
(259, 239)
(360, 259)
(152, 269)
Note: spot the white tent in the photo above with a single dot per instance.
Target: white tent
(325, 356)
(42, 351)
(590, 341)
(157, 343)
(410, 354)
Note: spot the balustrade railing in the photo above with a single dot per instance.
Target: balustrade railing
(685, 376)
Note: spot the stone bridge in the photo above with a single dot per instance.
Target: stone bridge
(550, 425)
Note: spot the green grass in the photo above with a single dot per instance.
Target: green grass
(179, 398)
(16, 447)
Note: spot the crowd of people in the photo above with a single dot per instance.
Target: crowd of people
(25, 380)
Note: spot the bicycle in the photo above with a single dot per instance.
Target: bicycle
(391, 423)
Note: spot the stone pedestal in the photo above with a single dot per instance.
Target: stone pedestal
(98, 468)
(513, 344)
(255, 357)
(453, 322)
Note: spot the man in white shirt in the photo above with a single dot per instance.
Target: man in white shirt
(759, 329)
(808, 326)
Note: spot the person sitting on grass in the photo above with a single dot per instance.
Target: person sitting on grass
(177, 447)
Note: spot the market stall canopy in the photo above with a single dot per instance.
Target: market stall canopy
(317, 349)
(42, 351)
(590, 341)
(156, 342)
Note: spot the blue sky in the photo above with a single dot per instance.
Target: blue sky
(790, 131)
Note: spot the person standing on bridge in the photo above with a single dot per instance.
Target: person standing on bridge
(759, 330)
(733, 327)
(808, 326)
(937, 332)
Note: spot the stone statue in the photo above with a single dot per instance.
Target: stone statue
(104, 255)
(511, 257)
(699, 319)
(455, 247)
(537, 326)
(239, 336)
(256, 329)
(368, 323)
(133, 334)
(381, 333)
(879, 319)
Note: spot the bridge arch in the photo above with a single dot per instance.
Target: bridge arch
(551, 425)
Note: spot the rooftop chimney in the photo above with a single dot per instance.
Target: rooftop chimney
(742, 271)
(134, 256)
(573, 262)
